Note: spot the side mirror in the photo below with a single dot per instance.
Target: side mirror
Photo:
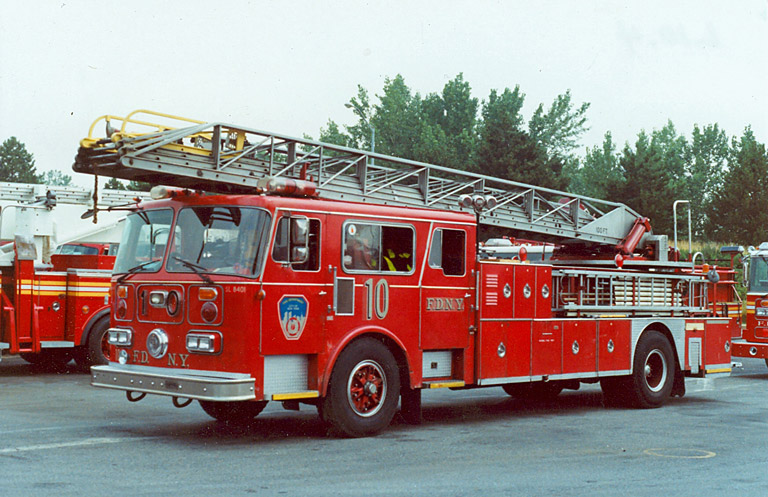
(746, 274)
(299, 231)
(299, 255)
(299, 240)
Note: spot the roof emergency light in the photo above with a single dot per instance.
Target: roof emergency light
(160, 192)
(287, 186)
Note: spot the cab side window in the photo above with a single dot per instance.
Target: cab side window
(448, 251)
(378, 248)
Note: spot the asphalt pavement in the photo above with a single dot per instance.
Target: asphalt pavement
(60, 436)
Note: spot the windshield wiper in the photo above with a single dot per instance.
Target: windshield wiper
(196, 268)
(134, 270)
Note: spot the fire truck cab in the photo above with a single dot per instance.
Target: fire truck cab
(754, 336)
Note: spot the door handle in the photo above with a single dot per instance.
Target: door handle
(323, 292)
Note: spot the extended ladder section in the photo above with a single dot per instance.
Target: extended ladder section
(225, 158)
(594, 292)
(29, 193)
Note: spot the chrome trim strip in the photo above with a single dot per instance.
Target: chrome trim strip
(717, 366)
(551, 377)
(186, 383)
(52, 344)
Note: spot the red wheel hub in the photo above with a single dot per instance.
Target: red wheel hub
(367, 388)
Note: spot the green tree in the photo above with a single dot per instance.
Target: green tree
(450, 120)
(705, 168)
(505, 150)
(600, 174)
(333, 135)
(361, 133)
(114, 184)
(737, 211)
(397, 120)
(56, 178)
(16, 163)
(649, 181)
(138, 186)
(559, 129)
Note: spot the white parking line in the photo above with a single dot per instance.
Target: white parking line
(80, 443)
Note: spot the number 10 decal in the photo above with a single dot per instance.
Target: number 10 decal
(377, 299)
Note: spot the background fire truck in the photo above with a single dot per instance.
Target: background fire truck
(351, 281)
(55, 269)
(754, 337)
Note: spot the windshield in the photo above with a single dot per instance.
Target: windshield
(220, 239)
(142, 246)
(758, 274)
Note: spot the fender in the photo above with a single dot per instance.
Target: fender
(672, 328)
(354, 333)
(89, 326)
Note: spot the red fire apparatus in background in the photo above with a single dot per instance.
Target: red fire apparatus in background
(753, 341)
(351, 281)
(55, 306)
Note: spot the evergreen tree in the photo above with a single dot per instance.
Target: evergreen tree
(737, 212)
(56, 178)
(139, 186)
(114, 184)
(600, 174)
(505, 150)
(706, 165)
(649, 185)
(16, 163)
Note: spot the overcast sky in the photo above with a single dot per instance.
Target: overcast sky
(288, 67)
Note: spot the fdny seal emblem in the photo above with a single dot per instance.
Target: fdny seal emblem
(293, 310)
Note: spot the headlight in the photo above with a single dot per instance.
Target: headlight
(157, 343)
(204, 342)
(157, 298)
(761, 312)
(120, 337)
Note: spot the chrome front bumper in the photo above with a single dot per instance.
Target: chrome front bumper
(183, 383)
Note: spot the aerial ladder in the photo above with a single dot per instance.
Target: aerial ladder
(54, 215)
(598, 240)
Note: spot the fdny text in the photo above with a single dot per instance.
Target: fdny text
(444, 304)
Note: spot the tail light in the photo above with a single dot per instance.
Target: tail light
(209, 312)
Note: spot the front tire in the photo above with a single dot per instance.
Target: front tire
(363, 391)
(96, 350)
(233, 412)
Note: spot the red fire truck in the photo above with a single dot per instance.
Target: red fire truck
(54, 306)
(753, 341)
(351, 281)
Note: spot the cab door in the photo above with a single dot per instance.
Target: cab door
(296, 289)
(446, 291)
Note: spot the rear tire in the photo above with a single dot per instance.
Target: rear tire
(653, 372)
(363, 391)
(237, 412)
